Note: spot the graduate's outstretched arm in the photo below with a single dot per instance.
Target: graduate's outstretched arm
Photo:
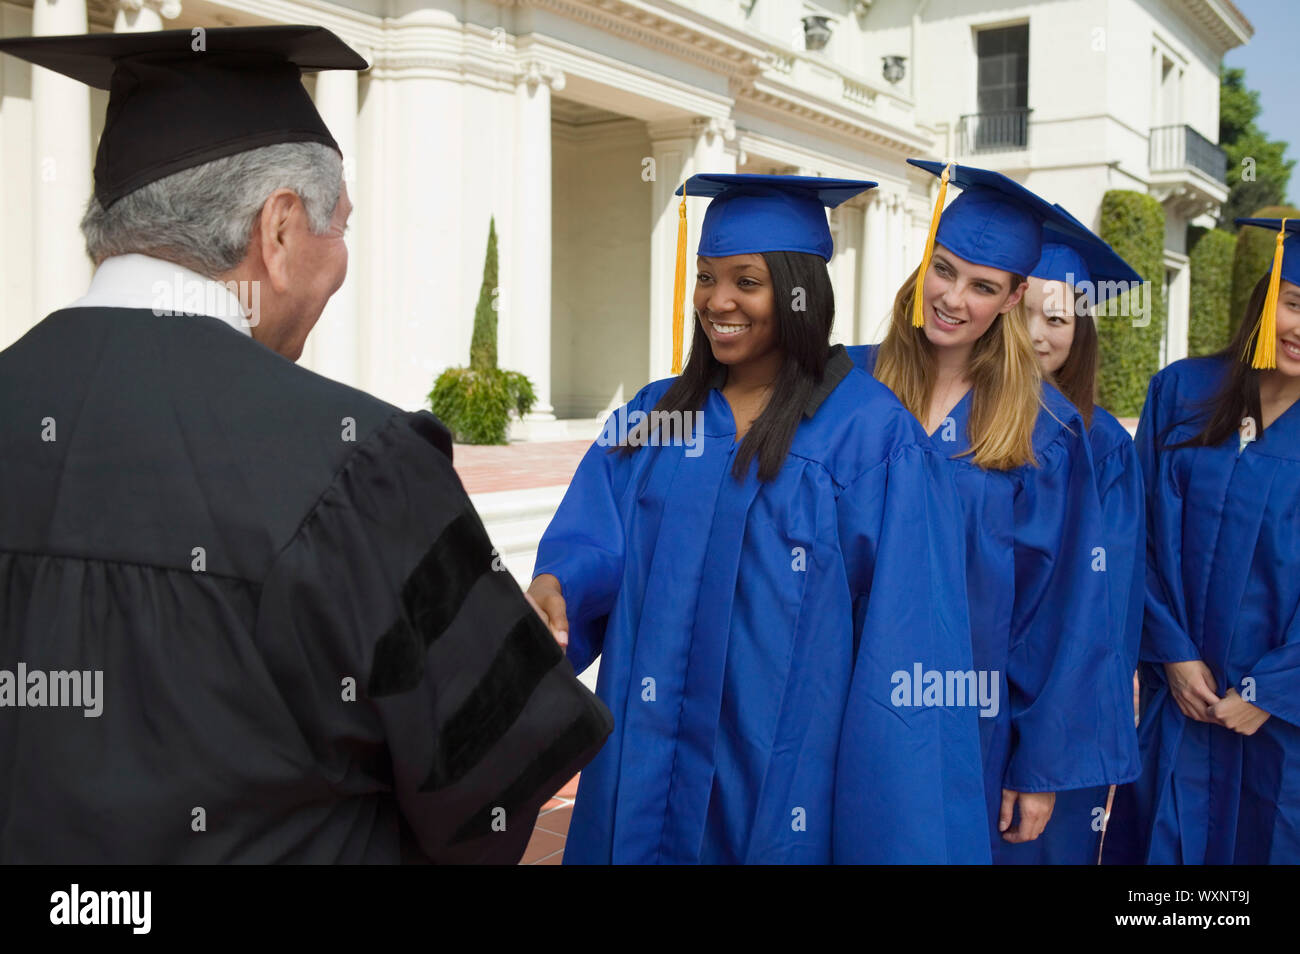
(1071, 698)
(579, 566)
(406, 651)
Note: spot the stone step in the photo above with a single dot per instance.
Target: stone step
(515, 521)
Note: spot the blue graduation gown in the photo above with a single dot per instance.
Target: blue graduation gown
(1038, 562)
(1073, 836)
(749, 637)
(1223, 586)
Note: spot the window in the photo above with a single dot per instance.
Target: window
(1002, 87)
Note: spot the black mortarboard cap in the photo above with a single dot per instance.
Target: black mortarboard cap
(180, 98)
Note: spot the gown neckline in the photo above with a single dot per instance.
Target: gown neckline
(952, 411)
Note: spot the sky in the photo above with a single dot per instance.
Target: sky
(1269, 62)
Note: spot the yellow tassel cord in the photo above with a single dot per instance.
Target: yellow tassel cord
(918, 309)
(1266, 339)
(679, 285)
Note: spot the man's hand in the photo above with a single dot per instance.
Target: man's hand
(1035, 810)
(1192, 686)
(545, 596)
(1235, 713)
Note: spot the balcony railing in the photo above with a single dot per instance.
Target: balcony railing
(1000, 131)
(1182, 147)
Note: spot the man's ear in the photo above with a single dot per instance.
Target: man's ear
(1014, 298)
(273, 234)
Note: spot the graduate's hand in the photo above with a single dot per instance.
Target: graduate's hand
(1235, 713)
(1035, 810)
(1192, 685)
(545, 596)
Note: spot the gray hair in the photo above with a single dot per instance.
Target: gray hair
(203, 218)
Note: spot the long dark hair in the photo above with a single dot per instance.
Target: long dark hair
(803, 336)
(1238, 396)
(1077, 378)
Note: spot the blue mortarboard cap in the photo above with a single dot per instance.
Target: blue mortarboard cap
(1286, 265)
(1079, 256)
(753, 213)
(996, 221)
(1060, 263)
(1290, 245)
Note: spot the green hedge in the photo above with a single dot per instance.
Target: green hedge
(1134, 224)
(1209, 324)
(1254, 256)
(475, 403)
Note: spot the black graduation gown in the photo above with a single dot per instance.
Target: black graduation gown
(235, 543)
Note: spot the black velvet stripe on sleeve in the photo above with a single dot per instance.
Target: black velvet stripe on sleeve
(525, 656)
(431, 597)
(561, 759)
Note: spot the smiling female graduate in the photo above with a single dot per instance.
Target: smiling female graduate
(753, 600)
(958, 355)
(1219, 442)
(1075, 274)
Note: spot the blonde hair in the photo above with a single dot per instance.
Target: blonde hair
(1006, 382)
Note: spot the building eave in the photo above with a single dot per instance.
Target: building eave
(1220, 21)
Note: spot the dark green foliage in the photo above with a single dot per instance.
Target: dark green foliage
(1263, 179)
(1134, 224)
(483, 346)
(1210, 321)
(476, 404)
(1254, 255)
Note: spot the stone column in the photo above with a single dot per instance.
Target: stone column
(529, 297)
(143, 16)
(874, 294)
(61, 158)
(897, 244)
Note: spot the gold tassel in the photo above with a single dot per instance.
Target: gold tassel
(1266, 339)
(679, 285)
(918, 309)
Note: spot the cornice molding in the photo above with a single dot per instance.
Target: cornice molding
(1220, 21)
(657, 30)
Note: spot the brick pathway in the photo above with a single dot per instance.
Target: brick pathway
(547, 844)
(487, 468)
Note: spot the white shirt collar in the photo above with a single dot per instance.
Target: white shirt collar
(165, 288)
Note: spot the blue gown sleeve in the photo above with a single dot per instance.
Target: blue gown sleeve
(1071, 700)
(1164, 626)
(909, 786)
(1276, 677)
(1123, 510)
(584, 545)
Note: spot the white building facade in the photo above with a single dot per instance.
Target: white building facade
(571, 123)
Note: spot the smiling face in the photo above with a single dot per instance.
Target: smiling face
(736, 304)
(961, 299)
(1288, 329)
(1050, 307)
